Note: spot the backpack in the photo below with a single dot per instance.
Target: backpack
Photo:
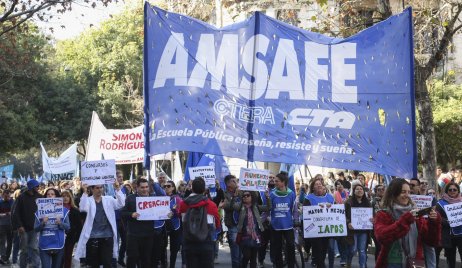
(195, 226)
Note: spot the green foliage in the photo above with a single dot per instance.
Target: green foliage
(446, 100)
(107, 62)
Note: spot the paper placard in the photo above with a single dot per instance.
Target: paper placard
(206, 172)
(324, 222)
(98, 172)
(153, 208)
(454, 213)
(361, 218)
(422, 201)
(49, 207)
(253, 179)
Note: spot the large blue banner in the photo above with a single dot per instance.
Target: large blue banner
(263, 90)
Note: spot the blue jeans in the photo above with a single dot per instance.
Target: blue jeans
(28, 244)
(430, 256)
(235, 250)
(51, 260)
(360, 245)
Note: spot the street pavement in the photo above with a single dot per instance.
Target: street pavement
(224, 260)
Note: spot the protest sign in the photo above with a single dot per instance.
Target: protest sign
(206, 172)
(422, 201)
(361, 218)
(98, 172)
(454, 213)
(324, 222)
(262, 90)
(253, 179)
(49, 207)
(61, 168)
(153, 207)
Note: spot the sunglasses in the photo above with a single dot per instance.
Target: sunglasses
(246, 195)
(452, 190)
(167, 186)
(432, 193)
(380, 189)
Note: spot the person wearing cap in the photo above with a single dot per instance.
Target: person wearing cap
(23, 221)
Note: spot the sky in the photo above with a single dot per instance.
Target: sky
(73, 21)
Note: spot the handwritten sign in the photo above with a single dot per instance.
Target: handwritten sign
(153, 208)
(454, 213)
(206, 172)
(49, 207)
(98, 172)
(324, 222)
(422, 201)
(253, 179)
(360, 218)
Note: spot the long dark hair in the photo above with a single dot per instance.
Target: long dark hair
(393, 191)
(364, 200)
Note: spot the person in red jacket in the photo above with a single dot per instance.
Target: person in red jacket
(400, 231)
(200, 253)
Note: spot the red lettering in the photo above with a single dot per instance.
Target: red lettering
(115, 137)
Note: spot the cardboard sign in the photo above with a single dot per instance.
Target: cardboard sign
(324, 222)
(253, 179)
(98, 172)
(206, 172)
(422, 201)
(49, 207)
(361, 218)
(153, 208)
(454, 213)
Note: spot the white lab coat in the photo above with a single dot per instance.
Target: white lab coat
(87, 204)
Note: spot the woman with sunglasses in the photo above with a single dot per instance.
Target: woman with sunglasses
(250, 227)
(173, 225)
(451, 238)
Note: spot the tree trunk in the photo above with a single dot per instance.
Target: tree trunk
(426, 130)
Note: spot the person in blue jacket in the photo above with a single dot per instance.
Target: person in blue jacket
(52, 235)
(284, 213)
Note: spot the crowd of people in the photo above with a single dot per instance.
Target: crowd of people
(100, 226)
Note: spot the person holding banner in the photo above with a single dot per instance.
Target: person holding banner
(401, 230)
(250, 226)
(231, 217)
(451, 237)
(320, 245)
(284, 215)
(173, 225)
(52, 234)
(98, 240)
(140, 233)
(357, 238)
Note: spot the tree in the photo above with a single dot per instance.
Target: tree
(107, 62)
(17, 12)
(446, 98)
